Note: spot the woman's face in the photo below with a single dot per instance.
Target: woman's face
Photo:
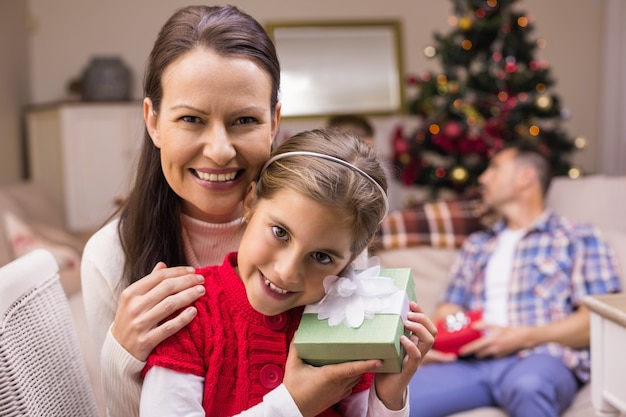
(214, 130)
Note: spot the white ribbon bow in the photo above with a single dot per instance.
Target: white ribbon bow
(352, 299)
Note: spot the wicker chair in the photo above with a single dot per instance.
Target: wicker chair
(42, 372)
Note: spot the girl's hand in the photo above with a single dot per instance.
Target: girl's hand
(314, 389)
(139, 324)
(391, 388)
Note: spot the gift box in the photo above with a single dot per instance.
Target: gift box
(320, 342)
(455, 331)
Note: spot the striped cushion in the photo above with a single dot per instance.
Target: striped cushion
(440, 224)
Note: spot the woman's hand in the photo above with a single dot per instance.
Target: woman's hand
(140, 321)
(314, 389)
(391, 388)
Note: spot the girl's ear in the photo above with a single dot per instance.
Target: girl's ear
(150, 117)
(249, 200)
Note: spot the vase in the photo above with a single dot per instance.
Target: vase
(106, 79)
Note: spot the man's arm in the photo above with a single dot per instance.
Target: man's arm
(572, 331)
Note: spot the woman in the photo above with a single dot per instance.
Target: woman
(211, 111)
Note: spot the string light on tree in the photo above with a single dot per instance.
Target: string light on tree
(574, 173)
(544, 102)
(430, 51)
(580, 142)
(459, 175)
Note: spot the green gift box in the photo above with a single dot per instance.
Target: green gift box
(318, 343)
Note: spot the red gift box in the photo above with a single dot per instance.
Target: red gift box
(456, 330)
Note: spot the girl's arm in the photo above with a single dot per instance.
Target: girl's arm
(388, 395)
(391, 389)
(367, 403)
(170, 393)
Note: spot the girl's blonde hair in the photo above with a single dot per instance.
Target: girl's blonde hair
(329, 182)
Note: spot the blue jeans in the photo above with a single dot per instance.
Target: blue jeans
(537, 386)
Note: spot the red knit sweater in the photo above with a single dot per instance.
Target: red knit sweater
(240, 352)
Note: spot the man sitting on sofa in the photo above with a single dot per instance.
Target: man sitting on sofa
(527, 276)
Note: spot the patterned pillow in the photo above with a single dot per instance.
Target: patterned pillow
(440, 224)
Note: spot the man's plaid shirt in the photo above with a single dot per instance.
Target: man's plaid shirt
(556, 264)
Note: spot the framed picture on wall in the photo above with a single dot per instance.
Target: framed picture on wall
(339, 67)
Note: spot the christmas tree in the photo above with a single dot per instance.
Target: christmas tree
(491, 90)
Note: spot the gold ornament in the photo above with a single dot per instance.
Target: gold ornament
(405, 158)
(465, 23)
(580, 142)
(459, 174)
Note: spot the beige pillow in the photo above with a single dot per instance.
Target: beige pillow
(24, 239)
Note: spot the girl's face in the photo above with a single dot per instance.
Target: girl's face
(214, 130)
(291, 243)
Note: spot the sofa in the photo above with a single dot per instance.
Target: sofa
(29, 218)
(595, 199)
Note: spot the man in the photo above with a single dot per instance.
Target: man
(359, 125)
(527, 275)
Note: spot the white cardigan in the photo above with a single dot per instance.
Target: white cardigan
(101, 273)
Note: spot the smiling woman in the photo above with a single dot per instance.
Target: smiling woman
(211, 112)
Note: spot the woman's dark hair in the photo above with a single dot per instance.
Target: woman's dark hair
(149, 227)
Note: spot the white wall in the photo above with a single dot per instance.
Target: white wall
(612, 120)
(13, 86)
(68, 33)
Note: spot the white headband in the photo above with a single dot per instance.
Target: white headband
(337, 160)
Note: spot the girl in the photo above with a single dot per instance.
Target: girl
(315, 207)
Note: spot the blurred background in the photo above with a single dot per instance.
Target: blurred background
(46, 46)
